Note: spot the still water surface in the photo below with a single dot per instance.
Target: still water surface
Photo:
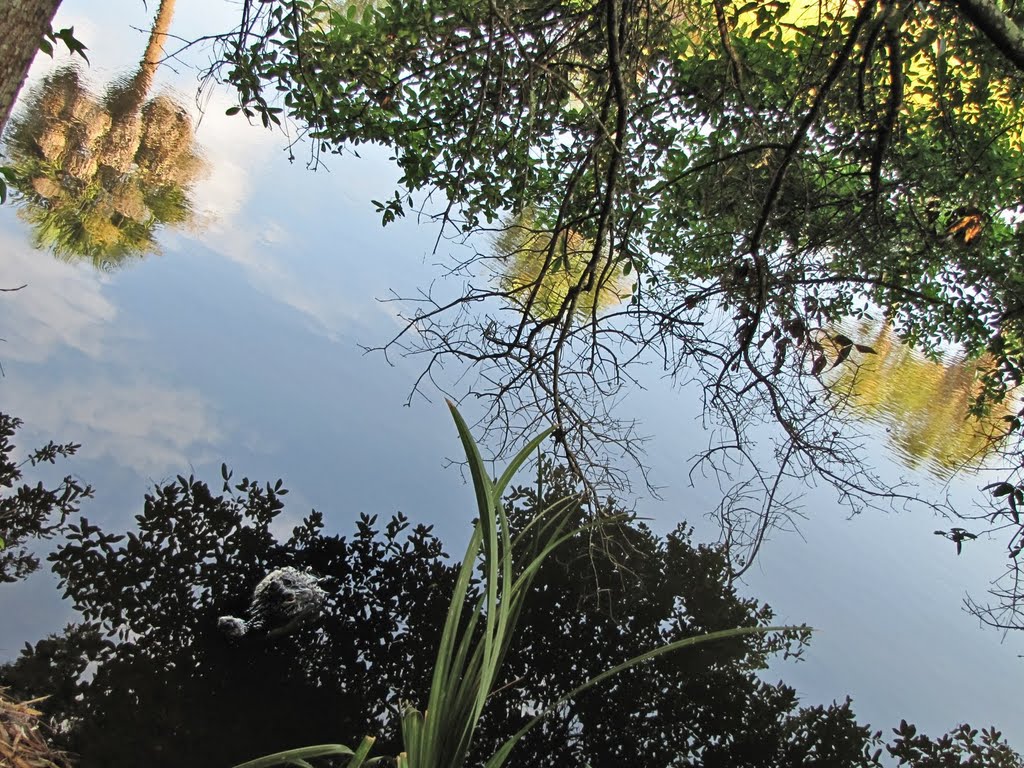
(239, 341)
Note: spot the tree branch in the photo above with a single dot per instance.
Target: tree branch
(994, 24)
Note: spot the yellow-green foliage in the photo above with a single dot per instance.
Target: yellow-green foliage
(924, 404)
(540, 272)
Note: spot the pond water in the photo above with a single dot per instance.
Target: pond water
(239, 341)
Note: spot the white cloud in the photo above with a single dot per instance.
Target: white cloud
(263, 247)
(61, 304)
(146, 427)
(232, 148)
(266, 250)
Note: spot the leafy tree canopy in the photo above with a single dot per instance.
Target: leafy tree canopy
(31, 512)
(759, 171)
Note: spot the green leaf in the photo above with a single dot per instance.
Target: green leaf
(1000, 489)
(844, 353)
(292, 755)
(74, 45)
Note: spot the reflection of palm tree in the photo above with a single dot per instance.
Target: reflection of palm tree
(925, 404)
(524, 248)
(96, 177)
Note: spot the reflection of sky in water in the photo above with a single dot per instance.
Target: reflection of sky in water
(240, 343)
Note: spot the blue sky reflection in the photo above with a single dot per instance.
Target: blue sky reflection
(240, 343)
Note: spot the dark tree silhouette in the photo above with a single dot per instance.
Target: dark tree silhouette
(31, 512)
(145, 676)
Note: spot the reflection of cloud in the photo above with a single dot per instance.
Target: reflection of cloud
(233, 148)
(271, 274)
(230, 199)
(61, 304)
(239, 155)
(148, 428)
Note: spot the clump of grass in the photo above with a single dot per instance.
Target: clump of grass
(472, 650)
(22, 743)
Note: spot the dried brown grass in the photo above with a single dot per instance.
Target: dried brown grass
(22, 743)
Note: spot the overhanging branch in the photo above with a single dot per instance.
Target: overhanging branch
(994, 24)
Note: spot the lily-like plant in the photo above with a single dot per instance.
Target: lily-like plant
(472, 650)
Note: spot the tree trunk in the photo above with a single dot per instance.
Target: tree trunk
(157, 38)
(125, 104)
(23, 24)
(989, 19)
(143, 80)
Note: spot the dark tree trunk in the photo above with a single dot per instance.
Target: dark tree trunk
(22, 26)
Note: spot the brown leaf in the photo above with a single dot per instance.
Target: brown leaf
(841, 357)
(842, 340)
(968, 224)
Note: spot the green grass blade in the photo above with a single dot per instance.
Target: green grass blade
(478, 470)
(412, 731)
(444, 671)
(294, 755)
(499, 757)
(472, 670)
(497, 628)
(361, 753)
(488, 524)
(543, 519)
(487, 506)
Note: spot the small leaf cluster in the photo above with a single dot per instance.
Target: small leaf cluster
(66, 36)
(32, 512)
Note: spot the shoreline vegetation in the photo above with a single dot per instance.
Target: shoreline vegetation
(514, 625)
(24, 742)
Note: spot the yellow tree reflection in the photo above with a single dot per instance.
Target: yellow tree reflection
(924, 404)
(96, 177)
(540, 272)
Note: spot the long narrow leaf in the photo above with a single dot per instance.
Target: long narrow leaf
(481, 481)
(293, 755)
(488, 520)
(547, 516)
(440, 682)
(362, 751)
(412, 730)
(489, 527)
